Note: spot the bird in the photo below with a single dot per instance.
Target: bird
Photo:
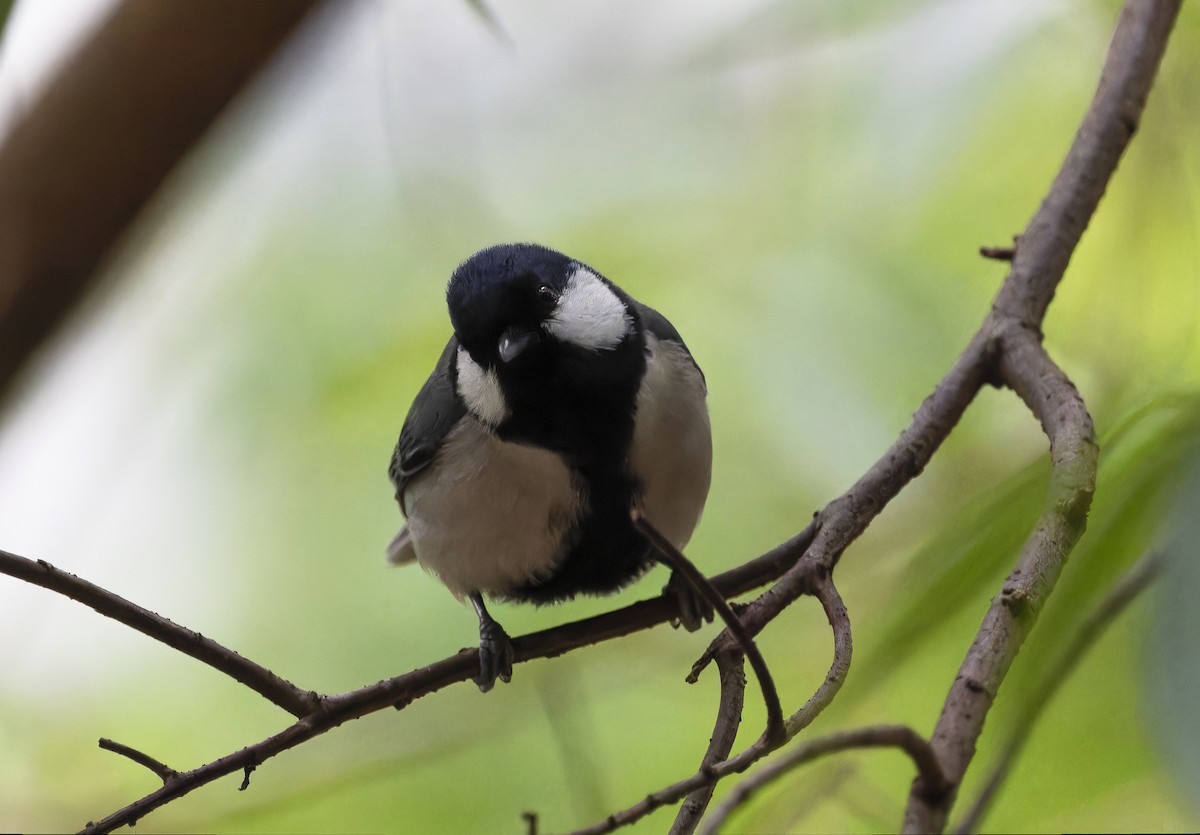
(560, 407)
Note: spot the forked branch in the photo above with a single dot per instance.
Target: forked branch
(1007, 349)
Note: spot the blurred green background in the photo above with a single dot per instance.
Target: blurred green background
(802, 188)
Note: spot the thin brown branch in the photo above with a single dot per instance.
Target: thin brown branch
(839, 621)
(1049, 240)
(547, 643)
(877, 736)
(1013, 612)
(844, 519)
(163, 771)
(402, 690)
(271, 687)
(707, 776)
(95, 147)
(672, 556)
(731, 668)
(1006, 346)
(1015, 323)
(1106, 612)
(319, 714)
(677, 791)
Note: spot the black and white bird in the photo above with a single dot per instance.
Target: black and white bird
(559, 405)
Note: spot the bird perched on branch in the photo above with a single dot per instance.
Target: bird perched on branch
(559, 406)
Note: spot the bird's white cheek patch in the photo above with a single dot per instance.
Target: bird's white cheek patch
(480, 390)
(589, 314)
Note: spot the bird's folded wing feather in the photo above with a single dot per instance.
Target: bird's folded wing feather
(435, 410)
(660, 326)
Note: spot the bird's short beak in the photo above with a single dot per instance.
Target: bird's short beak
(513, 341)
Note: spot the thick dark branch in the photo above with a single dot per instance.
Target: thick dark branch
(259, 679)
(1126, 590)
(398, 692)
(111, 125)
(879, 736)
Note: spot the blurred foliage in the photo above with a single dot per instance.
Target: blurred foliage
(5, 10)
(801, 187)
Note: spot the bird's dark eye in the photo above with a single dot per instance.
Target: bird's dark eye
(546, 293)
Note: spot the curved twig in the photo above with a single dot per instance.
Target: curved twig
(1014, 323)
(826, 592)
(676, 560)
(1124, 592)
(878, 736)
(843, 650)
(836, 612)
(1051, 396)
(730, 666)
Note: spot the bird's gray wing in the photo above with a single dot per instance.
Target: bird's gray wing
(434, 412)
(661, 327)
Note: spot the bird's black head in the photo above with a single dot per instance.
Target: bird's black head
(552, 352)
(508, 289)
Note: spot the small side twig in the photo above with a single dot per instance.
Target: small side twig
(672, 556)
(878, 736)
(1124, 592)
(998, 253)
(161, 770)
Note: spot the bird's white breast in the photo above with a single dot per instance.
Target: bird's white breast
(489, 515)
(672, 441)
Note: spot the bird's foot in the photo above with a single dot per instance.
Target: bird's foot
(495, 649)
(694, 610)
(495, 656)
